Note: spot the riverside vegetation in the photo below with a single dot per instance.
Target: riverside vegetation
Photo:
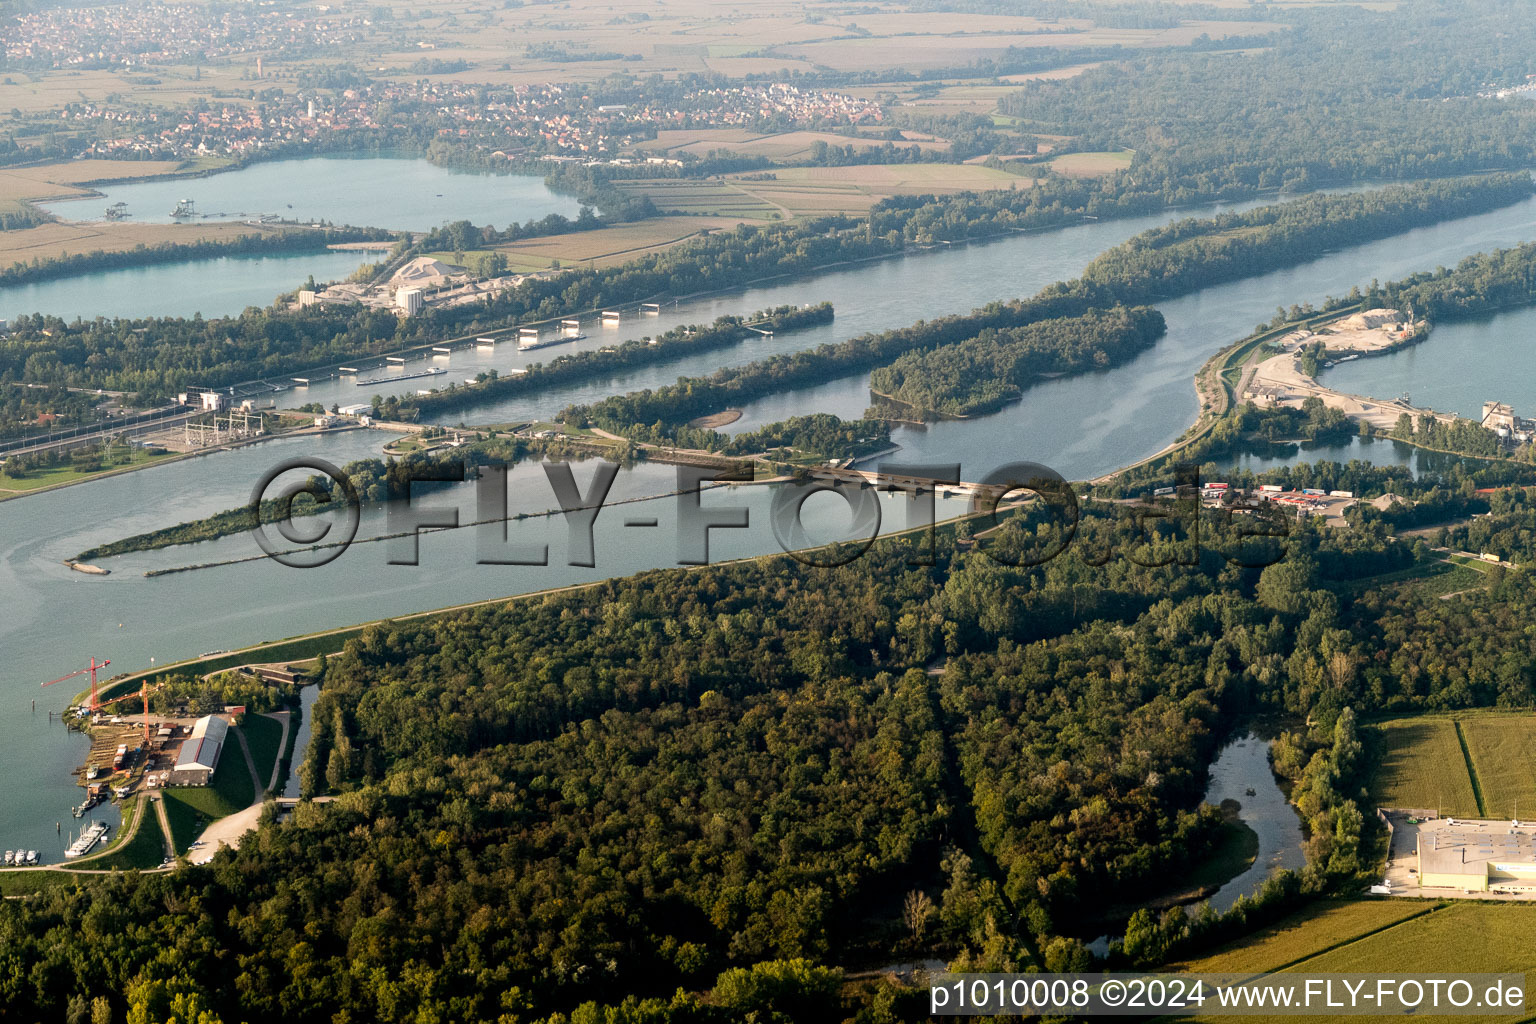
(1159, 263)
(698, 779)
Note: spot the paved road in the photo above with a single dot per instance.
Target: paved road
(227, 831)
(165, 830)
(282, 745)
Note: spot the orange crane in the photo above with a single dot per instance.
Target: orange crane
(144, 691)
(92, 670)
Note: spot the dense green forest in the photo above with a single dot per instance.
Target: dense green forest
(1345, 95)
(662, 780)
(983, 373)
(1195, 253)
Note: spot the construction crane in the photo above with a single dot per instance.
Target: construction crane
(143, 693)
(92, 670)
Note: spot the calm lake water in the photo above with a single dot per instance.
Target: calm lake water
(405, 194)
(1082, 427)
(214, 287)
(1457, 368)
(387, 192)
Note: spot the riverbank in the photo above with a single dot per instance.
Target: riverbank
(7, 494)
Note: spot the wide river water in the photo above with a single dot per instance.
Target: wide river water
(1082, 427)
(341, 190)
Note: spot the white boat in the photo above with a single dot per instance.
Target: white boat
(89, 838)
(10, 856)
(31, 856)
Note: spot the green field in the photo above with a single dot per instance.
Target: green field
(263, 735)
(1319, 927)
(1422, 766)
(1464, 936)
(1388, 936)
(39, 479)
(145, 850)
(1503, 749)
(231, 789)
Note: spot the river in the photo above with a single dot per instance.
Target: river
(1089, 425)
(1243, 765)
(389, 192)
(1082, 427)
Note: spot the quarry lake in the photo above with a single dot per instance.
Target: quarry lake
(401, 193)
(388, 192)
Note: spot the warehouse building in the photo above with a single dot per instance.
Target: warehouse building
(1478, 856)
(199, 756)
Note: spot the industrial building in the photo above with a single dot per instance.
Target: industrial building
(1478, 856)
(199, 756)
(1500, 418)
(409, 300)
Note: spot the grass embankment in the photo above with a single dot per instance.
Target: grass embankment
(190, 809)
(145, 850)
(58, 476)
(25, 883)
(263, 735)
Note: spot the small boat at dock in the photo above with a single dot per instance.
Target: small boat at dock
(89, 838)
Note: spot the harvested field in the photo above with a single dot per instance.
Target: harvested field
(1091, 165)
(608, 246)
(783, 146)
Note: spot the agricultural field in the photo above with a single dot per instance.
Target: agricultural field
(1422, 766)
(1464, 937)
(585, 40)
(947, 47)
(788, 192)
(1425, 767)
(1503, 749)
(168, 86)
(1321, 926)
(711, 196)
(780, 146)
(1091, 165)
(607, 246)
(812, 190)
